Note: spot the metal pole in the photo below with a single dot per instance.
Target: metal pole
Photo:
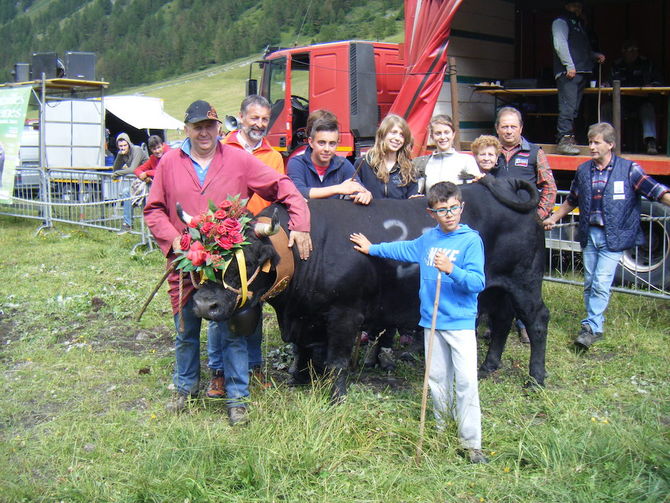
(455, 114)
(616, 113)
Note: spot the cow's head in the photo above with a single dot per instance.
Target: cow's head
(236, 293)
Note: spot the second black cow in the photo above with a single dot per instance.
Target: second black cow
(338, 291)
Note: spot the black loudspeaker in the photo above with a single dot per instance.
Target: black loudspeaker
(80, 65)
(45, 63)
(21, 72)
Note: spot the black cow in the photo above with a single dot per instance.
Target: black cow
(339, 291)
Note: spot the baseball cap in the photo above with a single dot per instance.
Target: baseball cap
(200, 111)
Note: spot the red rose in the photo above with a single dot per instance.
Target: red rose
(207, 227)
(185, 241)
(195, 221)
(221, 230)
(225, 204)
(220, 214)
(235, 237)
(197, 254)
(231, 225)
(224, 242)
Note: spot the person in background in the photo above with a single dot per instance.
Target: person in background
(633, 70)
(573, 65)
(457, 252)
(486, 150)
(253, 123)
(202, 170)
(445, 164)
(127, 160)
(147, 170)
(607, 191)
(386, 170)
(318, 173)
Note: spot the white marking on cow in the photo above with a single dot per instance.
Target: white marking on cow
(403, 270)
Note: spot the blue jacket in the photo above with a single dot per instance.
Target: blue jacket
(301, 170)
(390, 190)
(621, 209)
(522, 164)
(457, 309)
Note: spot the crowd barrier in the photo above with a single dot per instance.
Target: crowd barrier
(86, 197)
(93, 198)
(644, 270)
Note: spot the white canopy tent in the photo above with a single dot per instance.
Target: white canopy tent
(142, 112)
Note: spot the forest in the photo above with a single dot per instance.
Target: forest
(140, 41)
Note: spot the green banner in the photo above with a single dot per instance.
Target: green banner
(13, 106)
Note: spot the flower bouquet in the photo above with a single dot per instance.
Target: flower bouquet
(210, 239)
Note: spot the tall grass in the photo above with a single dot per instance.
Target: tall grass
(82, 414)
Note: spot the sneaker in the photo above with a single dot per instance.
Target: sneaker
(217, 385)
(125, 229)
(477, 456)
(523, 335)
(237, 415)
(178, 403)
(386, 359)
(586, 337)
(567, 145)
(650, 146)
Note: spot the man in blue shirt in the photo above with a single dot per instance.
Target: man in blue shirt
(318, 173)
(607, 191)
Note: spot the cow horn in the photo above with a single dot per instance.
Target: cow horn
(264, 229)
(183, 216)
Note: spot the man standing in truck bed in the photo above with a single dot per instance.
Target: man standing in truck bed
(573, 65)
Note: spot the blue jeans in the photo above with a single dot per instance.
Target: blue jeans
(127, 208)
(570, 92)
(215, 349)
(234, 356)
(599, 267)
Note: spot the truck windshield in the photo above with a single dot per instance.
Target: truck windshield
(276, 78)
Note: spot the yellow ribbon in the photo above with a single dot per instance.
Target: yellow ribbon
(241, 264)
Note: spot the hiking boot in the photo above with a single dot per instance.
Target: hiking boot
(523, 335)
(259, 378)
(217, 385)
(477, 456)
(650, 146)
(237, 415)
(567, 145)
(586, 337)
(178, 404)
(386, 359)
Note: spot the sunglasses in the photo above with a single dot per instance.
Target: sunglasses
(443, 212)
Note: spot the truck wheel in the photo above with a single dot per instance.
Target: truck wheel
(648, 265)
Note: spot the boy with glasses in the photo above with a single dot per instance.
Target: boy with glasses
(457, 252)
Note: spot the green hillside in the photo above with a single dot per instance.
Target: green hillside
(144, 41)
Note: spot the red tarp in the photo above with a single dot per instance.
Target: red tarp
(427, 27)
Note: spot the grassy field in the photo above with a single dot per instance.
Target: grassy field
(82, 414)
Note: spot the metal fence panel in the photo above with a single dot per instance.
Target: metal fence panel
(644, 270)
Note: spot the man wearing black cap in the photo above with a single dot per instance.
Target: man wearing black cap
(573, 65)
(204, 169)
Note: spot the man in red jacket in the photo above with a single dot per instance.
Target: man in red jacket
(204, 169)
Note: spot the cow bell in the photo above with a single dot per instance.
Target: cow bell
(243, 323)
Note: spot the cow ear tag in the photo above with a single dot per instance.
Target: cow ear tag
(266, 266)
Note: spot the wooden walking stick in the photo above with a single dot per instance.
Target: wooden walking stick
(424, 395)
